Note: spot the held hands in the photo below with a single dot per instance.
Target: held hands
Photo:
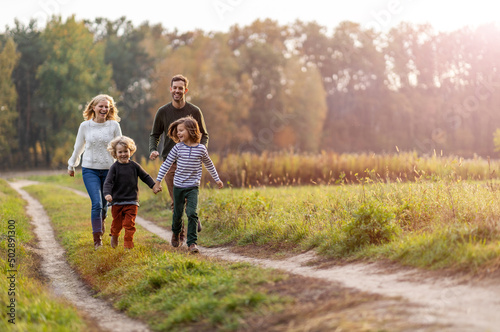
(108, 198)
(220, 184)
(157, 187)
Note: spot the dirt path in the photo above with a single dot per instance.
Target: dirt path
(460, 305)
(63, 280)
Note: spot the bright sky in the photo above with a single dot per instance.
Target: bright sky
(219, 15)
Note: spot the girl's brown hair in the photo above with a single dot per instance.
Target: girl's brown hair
(191, 126)
(89, 112)
(126, 141)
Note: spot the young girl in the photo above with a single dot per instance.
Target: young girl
(189, 155)
(121, 189)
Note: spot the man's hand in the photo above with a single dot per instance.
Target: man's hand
(154, 155)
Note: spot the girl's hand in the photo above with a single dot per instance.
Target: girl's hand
(220, 184)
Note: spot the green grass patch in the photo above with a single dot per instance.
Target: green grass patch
(464, 248)
(169, 289)
(371, 221)
(36, 309)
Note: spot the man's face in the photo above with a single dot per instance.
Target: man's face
(178, 91)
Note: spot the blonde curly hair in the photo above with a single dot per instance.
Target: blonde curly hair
(124, 141)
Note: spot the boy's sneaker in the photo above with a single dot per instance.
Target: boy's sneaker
(175, 240)
(114, 241)
(193, 249)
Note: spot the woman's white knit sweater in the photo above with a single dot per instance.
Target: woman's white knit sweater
(93, 138)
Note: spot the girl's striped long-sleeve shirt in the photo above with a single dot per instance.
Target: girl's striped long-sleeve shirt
(189, 165)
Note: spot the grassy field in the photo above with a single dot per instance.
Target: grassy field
(22, 289)
(445, 218)
(173, 290)
(433, 223)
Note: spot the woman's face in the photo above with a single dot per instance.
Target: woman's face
(101, 110)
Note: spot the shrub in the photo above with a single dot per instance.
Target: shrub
(371, 224)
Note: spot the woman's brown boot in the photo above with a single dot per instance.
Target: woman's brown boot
(97, 240)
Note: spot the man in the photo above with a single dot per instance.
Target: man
(166, 114)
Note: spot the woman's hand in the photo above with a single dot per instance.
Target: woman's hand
(71, 173)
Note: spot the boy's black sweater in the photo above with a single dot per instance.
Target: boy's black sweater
(121, 182)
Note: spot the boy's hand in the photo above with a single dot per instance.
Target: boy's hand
(108, 198)
(220, 184)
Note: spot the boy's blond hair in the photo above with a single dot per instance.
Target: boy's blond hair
(126, 141)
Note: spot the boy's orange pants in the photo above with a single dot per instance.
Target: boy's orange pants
(124, 217)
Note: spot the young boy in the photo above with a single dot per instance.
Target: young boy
(121, 189)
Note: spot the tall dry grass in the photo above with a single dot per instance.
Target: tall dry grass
(290, 169)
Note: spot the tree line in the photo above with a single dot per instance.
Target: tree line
(261, 87)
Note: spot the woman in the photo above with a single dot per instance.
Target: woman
(98, 129)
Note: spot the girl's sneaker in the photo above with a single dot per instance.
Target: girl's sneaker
(193, 249)
(175, 240)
